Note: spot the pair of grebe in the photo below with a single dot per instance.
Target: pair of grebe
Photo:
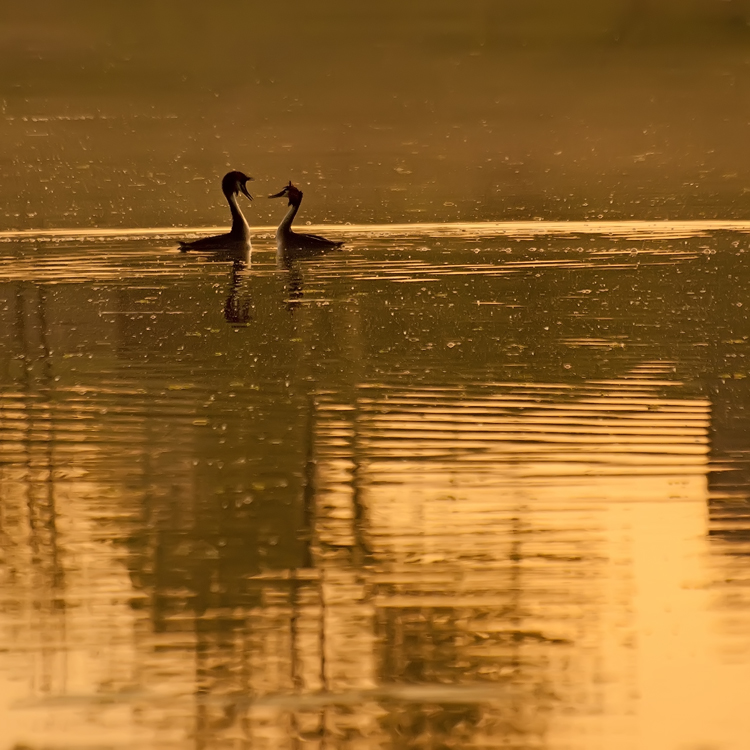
(238, 237)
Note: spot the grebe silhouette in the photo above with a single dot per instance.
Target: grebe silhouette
(238, 237)
(289, 241)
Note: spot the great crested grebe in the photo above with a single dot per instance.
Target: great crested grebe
(238, 237)
(289, 240)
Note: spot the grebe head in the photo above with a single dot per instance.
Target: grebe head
(290, 191)
(236, 182)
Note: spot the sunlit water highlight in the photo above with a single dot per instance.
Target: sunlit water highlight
(622, 229)
(455, 485)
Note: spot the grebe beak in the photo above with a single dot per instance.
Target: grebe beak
(279, 195)
(243, 188)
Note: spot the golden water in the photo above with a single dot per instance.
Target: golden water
(453, 486)
(479, 480)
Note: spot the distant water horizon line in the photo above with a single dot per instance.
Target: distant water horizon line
(621, 228)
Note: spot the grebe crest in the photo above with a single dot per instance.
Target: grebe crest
(290, 191)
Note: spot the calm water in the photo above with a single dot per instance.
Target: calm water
(453, 486)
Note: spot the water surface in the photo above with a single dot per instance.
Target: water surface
(128, 114)
(455, 485)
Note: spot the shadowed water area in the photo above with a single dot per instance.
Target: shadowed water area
(481, 478)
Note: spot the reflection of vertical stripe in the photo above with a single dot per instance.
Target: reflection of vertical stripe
(488, 514)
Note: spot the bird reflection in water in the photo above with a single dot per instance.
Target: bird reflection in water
(238, 308)
(237, 240)
(292, 247)
(295, 285)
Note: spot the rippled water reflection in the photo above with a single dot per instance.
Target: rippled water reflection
(453, 486)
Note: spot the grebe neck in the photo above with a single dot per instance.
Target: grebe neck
(240, 227)
(286, 222)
